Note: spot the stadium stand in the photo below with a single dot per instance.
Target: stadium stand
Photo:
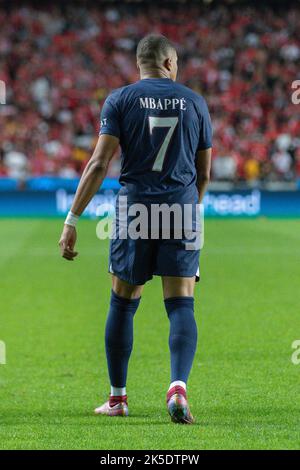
(59, 63)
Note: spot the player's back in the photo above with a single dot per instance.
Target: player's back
(161, 125)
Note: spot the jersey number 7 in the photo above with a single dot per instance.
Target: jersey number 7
(170, 123)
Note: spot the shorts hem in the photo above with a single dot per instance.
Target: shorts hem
(134, 282)
(197, 276)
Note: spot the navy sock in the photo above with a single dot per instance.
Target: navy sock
(183, 336)
(119, 337)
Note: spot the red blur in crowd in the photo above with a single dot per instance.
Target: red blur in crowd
(59, 66)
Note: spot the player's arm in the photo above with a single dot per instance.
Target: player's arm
(92, 177)
(203, 155)
(203, 166)
(94, 172)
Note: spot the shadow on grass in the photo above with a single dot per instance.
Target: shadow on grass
(73, 418)
(212, 416)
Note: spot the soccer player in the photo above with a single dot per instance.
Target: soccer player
(164, 131)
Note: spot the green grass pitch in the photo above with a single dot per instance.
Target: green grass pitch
(243, 390)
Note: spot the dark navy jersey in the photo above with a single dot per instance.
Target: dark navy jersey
(161, 124)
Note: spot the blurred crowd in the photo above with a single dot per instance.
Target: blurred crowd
(59, 63)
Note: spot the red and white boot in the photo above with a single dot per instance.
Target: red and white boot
(178, 406)
(115, 406)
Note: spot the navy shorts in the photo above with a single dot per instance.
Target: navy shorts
(136, 261)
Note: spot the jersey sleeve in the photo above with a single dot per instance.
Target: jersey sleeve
(205, 137)
(110, 119)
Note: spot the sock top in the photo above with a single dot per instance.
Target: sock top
(179, 299)
(173, 303)
(114, 400)
(177, 389)
(122, 300)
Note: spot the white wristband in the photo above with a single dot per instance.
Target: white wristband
(71, 219)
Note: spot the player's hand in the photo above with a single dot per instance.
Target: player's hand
(67, 242)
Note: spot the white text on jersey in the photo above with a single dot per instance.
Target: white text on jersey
(163, 104)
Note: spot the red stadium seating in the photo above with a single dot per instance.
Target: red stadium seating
(58, 68)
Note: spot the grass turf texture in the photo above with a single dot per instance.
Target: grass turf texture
(243, 388)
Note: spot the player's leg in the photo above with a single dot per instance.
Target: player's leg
(179, 303)
(124, 302)
(174, 286)
(126, 290)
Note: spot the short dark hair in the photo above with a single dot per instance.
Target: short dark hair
(153, 49)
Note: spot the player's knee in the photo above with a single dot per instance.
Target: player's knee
(126, 290)
(178, 286)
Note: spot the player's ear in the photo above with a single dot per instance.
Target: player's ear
(168, 63)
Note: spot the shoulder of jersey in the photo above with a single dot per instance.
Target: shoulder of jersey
(122, 92)
(189, 93)
(134, 87)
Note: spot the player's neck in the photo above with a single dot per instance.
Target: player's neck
(154, 73)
